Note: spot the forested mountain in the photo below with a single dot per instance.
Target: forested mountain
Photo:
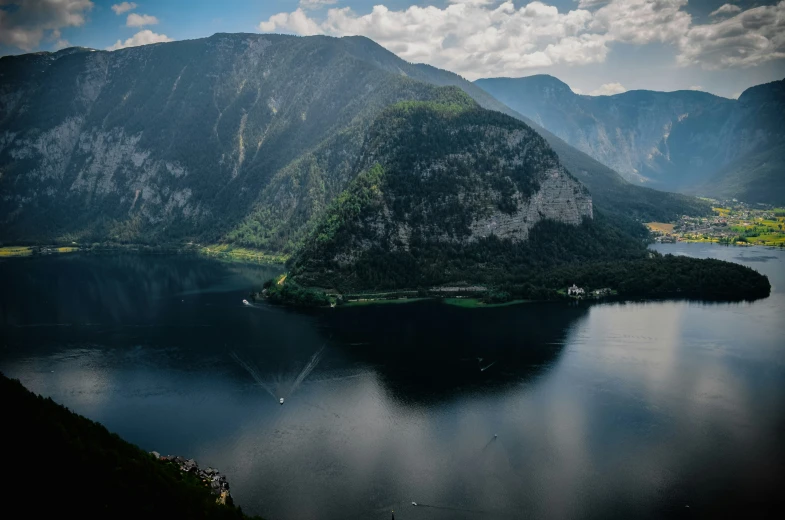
(448, 192)
(237, 137)
(452, 198)
(686, 140)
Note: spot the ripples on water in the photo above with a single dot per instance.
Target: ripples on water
(606, 411)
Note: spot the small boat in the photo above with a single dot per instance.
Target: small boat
(281, 400)
(246, 302)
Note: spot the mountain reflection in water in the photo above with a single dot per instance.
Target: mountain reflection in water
(588, 411)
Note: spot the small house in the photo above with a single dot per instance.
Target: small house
(575, 291)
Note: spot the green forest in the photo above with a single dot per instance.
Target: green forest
(440, 167)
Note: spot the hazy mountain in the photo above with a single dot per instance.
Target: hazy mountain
(671, 140)
(235, 137)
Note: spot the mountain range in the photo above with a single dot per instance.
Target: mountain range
(688, 141)
(237, 138)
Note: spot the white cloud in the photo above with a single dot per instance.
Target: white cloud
(24, 24)
(642, 21)
(608, 89)
(487, 38)
(316, 4)
(473, 37)
(144, 37)
(140, 20)
(61, 44)
(297, 22)
(123, 7)
(726, 9)
(749, 38)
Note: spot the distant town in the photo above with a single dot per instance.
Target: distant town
(733, 223)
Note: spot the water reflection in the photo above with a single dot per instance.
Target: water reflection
(607, 411)
(428, 351)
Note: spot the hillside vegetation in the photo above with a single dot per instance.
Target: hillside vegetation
(453, 198)
(242, 139)
(64, 465)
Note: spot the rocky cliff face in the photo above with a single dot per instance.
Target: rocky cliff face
(171, 140)
(440, 177)
(672, 140)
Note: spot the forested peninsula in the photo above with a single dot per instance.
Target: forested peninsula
(452, 199)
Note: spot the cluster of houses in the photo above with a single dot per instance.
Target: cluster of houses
(211, 477)
(580, 292)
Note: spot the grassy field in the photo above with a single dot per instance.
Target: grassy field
(27, 251)
(15, 251)
(240, 254)
(660, 227)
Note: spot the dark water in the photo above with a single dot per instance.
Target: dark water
(602, 411)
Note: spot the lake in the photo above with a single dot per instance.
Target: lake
(615, 410)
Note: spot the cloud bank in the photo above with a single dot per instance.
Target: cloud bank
(144, 37)
(486, 37)
(24, 23)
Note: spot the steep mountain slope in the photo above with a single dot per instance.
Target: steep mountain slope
(235, 137)
(671, 140)
(609, 189)
(744, 146)
(447, 193)
(171, 139)
(450, 198)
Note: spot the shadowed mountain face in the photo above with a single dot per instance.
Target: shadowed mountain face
(686, 140)
(237, 137)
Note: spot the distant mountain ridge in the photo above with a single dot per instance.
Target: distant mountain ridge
(241, 138)
(689, 141)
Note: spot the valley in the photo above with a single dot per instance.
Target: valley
(733, 223)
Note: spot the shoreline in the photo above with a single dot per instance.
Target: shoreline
(223, 253)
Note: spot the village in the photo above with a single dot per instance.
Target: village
(733, 223)
(210, 477)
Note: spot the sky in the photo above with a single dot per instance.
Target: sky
(595, 46)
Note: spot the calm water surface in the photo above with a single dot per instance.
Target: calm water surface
(536, 410)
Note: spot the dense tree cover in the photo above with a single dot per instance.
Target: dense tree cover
(440, 167)
(660, 276)
(292, 293)
(489, 261)
(63, 465)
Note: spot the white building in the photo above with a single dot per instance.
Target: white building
(575, 291)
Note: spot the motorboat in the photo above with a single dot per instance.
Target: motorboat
(246, 302)
(281, 400)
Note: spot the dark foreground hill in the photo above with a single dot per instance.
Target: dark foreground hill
(60, 465)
